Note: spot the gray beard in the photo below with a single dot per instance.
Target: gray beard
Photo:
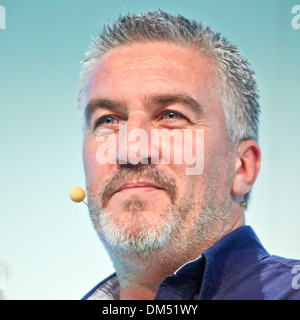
(135, 247)
(161, 246)
(138, 239)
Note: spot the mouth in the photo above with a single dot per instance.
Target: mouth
(141, 186)
(146, 182)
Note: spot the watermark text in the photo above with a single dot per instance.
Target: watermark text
(152, 147)
(2, 18)
(296, 279)
(296, 18)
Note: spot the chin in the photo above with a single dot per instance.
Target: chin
(137, 205)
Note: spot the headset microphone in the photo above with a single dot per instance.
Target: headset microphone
(77, 194)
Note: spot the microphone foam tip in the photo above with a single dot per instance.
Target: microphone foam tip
(77, 194)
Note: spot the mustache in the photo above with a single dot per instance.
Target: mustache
(145, 172)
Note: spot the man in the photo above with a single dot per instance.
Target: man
(173, 233)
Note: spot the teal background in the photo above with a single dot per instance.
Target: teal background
(47, 243)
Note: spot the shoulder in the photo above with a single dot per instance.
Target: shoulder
(275, 278)
(283, 275)
(271, 278)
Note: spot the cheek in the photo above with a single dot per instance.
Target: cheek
(193, 152)
(88, 162)
(219, 164)
(93, 170)
(215, 148)
(184, 151)
(97, 171)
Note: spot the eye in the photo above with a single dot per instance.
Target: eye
(105, 120)
(173, 115)
(108, 120)
(173, 119)
(170, 115)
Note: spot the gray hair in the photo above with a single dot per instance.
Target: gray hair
(233, 76)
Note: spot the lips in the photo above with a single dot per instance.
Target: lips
(139, 179)
(138, 185)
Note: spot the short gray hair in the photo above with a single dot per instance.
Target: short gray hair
(233, 76)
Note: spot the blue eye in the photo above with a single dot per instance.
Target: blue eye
(171, 115)
(108, 120)
(105, 120)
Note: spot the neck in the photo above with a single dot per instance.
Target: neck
(139, 292)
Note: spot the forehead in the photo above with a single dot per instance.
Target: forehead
(135, 70)
(156, 56)
(147, 55)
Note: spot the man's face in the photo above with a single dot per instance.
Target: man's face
(147, 86)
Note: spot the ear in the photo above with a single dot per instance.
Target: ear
(247, 166)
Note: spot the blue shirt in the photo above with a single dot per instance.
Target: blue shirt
(235, 268)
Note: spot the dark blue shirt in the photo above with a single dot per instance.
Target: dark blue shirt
(235, 268)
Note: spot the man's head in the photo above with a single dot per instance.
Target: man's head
(234, 78)
(156, 71)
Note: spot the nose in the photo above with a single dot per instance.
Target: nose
(134, 141)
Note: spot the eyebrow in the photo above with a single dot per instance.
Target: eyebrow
(186, 100)
(96, 104)
(156, 99)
